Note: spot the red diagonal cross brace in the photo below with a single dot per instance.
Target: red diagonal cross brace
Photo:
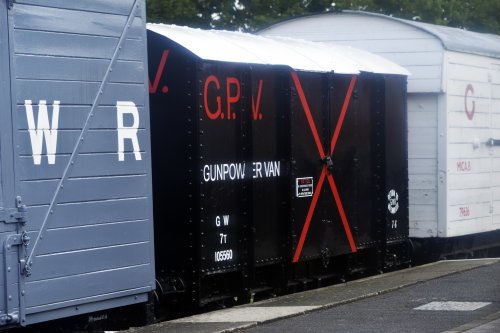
(324, 171)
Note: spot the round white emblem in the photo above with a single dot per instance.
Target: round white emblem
(393, 204)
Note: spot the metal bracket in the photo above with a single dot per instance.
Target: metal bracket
(10, 256)
(493, 142)
(11, 318)
(14, 215)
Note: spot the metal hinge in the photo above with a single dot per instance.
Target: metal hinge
(17, 239)
(14, 215)
(22, 239)
(10, 4)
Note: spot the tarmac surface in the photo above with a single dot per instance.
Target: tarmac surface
(447, 296)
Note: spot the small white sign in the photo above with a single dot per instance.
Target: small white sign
(304, 187)
(452, 306)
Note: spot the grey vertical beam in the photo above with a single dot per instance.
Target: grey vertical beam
(6, 154)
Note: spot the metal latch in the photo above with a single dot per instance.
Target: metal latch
(17, 239)
(327, 160)
(493, 142)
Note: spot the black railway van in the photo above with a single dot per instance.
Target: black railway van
(348, 158)
(76, 226)
(273, 160)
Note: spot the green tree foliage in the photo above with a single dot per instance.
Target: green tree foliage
(250, 15)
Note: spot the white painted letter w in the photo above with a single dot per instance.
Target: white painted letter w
(42, 129)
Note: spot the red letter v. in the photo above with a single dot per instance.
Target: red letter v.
(153, 87)
(255, 108)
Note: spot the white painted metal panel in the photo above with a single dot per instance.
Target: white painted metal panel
(472, 179)
(422, 164)
(495, 125)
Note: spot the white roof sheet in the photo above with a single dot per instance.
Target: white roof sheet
(452, 39)
(301, 55)
(460, 40)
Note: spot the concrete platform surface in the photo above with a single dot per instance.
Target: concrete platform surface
(253, 317)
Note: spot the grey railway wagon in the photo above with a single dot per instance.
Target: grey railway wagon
(76, 225)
